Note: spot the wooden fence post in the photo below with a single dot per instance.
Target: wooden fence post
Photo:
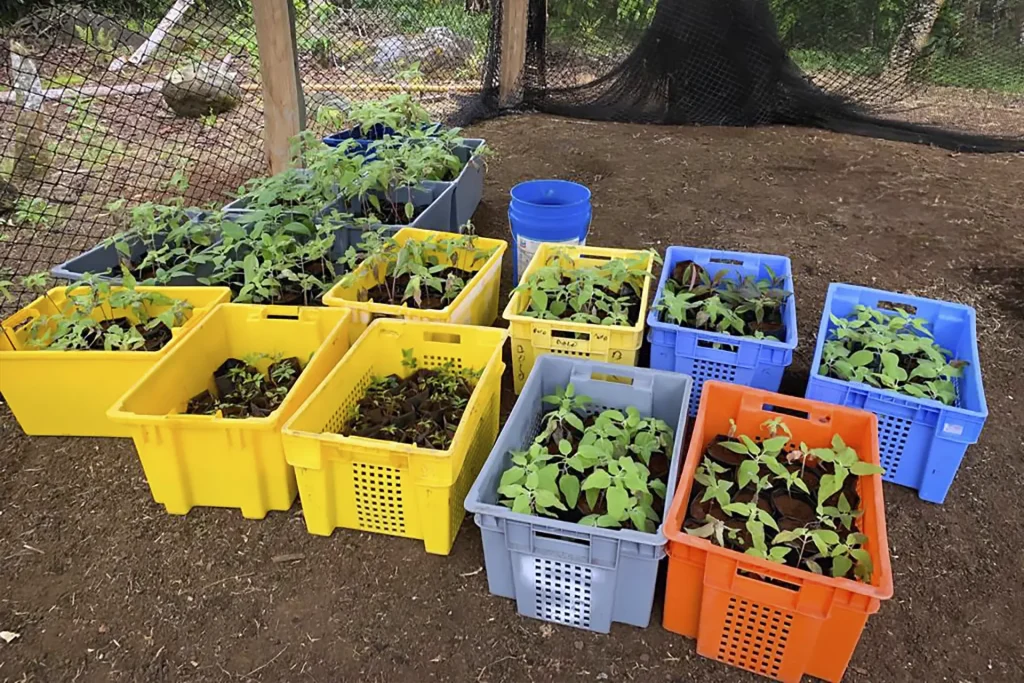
(514, 15)
(284, 112)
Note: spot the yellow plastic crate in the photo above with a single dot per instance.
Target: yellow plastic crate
(67, 393)
(476, 304)
(391, 488)
(204, 460)
(532, 337)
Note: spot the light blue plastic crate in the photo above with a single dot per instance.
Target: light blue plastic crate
(704, 355)
(922, 442)
(560, 571)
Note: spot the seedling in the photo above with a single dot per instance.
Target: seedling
(604, 294)
(86, 319)
(890, 351)
(784, 504)
(423, 408)
(607, 469)
(745, 306)
(425, 274)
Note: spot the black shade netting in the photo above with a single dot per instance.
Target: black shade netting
(723, 63)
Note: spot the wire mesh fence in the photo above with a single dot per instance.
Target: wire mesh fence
(154, 100)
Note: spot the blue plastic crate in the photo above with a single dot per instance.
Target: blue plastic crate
(922, 442)
(705, 355)
(563, 572)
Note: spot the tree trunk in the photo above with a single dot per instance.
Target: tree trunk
(912, 39)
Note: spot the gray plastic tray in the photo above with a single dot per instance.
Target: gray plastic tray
(560, 571)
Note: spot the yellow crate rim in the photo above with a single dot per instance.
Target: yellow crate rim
(203, 299)
(544, 251)
(119, 414)
(335, 296)
(364, 344)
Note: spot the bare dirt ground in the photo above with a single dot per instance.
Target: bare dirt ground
(102, 585)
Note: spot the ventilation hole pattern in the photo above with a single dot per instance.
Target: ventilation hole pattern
(430, 361)
(705, 370)
(563, 592)
(754, 637)
(379, 505)
(892, 437)
(348, 405)
(568, 352)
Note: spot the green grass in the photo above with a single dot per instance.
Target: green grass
(1004, 73)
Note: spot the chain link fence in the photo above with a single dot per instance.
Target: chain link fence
(160, 99)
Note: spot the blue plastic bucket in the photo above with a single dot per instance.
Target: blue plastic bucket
(546, 211)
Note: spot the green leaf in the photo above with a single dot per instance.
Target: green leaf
(747, 473)
(742, 509)
(592, 496)
(548, 499)
(569, 485)
(574, 420)
(522, 504)
(511, 476)
(589, 520)
(788, 536)
(547, 476)
(777, 468)
(608, 521)
(539, 300)
(778, 554)
(599, 479)
(813, 566)
(861, 358)
(829, 486)
(640, 520)
(735, 447)
(862, 469)
(841, 566)
(564, 447)
(618, 500)
(775, 444)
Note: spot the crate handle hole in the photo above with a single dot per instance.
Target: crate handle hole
(781, 583)
(614, 379)
(892, 306)
(283, 316)
(442, 337)
(718, 346)
(728, 261)
(794, 412)
(558, 537)
(566, 334)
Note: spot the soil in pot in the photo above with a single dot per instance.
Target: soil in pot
(792, 509)
(722, 455)
(423, 409)
(240, 390)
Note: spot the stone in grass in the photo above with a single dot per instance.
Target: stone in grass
(200, 89)
(438, 48)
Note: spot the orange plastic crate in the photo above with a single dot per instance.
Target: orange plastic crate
(801, 623)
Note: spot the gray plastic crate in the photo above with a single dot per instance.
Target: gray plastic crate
(469, 186)
(560, 571)
(104, 258)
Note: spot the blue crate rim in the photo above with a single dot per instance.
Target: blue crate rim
(891, 395)
(474, 503)
(789, 343)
